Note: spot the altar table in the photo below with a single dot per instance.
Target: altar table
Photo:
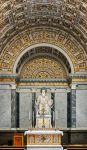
(44, 139)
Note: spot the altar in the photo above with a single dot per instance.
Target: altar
(44, 139)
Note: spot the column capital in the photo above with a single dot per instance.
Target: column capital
(13, 87)
(73, 86)
(52, 90)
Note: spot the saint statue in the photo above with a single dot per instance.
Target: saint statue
(43, 104)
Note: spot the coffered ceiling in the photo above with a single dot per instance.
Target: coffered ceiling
(67, 15)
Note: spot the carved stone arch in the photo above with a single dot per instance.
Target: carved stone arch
(44, 45)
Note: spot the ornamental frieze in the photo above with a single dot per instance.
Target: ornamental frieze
(36, 36)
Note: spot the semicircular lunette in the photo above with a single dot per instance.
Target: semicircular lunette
(43, 67)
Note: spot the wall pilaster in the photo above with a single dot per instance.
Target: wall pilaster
(13, 107)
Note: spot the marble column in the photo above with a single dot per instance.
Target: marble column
(68, 107)
(73, 106)
(33, 109)
(13, 107)
(53, 110)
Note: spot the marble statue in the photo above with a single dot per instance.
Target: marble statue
(43, 104)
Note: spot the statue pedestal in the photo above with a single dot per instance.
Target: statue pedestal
(44, 139)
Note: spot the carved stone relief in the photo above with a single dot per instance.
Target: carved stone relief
(42, 68)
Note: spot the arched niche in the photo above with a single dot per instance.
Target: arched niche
(47, 52)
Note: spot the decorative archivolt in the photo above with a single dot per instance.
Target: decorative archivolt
(34, 36)
(42, 68)
(43, 50)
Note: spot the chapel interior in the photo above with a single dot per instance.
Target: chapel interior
(43, 46)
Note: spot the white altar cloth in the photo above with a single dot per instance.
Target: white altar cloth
(57, 148)
(43, 132)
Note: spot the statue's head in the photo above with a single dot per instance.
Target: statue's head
(43, 91)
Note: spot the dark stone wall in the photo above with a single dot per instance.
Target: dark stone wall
(74, 137)
(6, 138)
(79, 137)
